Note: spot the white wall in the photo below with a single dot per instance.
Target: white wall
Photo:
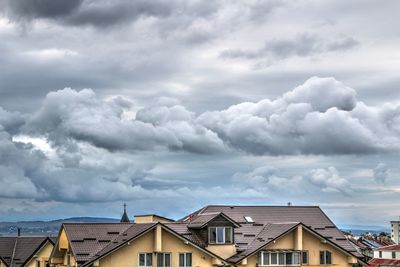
(386, 254)
(395, 229)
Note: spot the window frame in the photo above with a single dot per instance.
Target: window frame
(163, 256)
(145, 259)
(325, 254)
(185, 259)
(302, 262)
(294, 253)
(223, 229)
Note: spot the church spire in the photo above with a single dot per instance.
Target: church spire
(124, 218)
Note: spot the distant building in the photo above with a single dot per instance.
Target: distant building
(388, 252)
(395, 225)
(388, 256)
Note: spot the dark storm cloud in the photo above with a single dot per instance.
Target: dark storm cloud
(105, 13)
(302, 45)
(32, 9)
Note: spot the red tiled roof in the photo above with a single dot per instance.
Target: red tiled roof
(392, 247)
(383, 262)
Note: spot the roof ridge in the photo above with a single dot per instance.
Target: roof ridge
(292, 206)
(210, 213)
(13, 254)
(93, 223)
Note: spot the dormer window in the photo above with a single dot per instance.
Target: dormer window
(220, 235)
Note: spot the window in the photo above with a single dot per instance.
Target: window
(69, 260)
(393, 254)
(270, 258)
(185, 259)
(325, 257)
(281, 258)
(163, 260)
(289, 258)
(380, 254)
(37, 263)
(145, 259)
(248, 219)
(304, 257)
(274, 258)
(220, 235)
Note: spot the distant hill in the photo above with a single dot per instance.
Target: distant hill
(51, 228)
(48, 228)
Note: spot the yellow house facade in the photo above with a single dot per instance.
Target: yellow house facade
(213, 236)
(41, 256)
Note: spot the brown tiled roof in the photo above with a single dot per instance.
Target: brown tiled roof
(183, 230)
(311, 216)
(201, 220)
(6, 248)
(90, 241)
(392, 248)
(383, 262)
(268, 234)
(129, 234)
(87, 239)
(16, 251)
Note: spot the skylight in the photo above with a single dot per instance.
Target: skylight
(248, 219)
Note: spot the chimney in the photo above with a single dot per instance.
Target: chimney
(19, 231)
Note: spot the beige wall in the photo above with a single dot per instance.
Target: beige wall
(224, 251)
(42, 256)
(310, 243)
(128, 255)
(63, 247)
(150, 218)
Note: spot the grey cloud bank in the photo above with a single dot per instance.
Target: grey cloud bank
(198, 102)
(92, 144)
(322, 116)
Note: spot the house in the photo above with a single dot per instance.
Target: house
(386, 256)
(212, 236)
(25, 251)
(363, 248)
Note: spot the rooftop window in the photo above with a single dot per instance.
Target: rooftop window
(248, 219)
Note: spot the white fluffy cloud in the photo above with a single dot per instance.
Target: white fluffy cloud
(82, 116)
(322, 116)
(94, 143)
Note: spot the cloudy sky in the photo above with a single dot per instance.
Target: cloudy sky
(172, 105)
